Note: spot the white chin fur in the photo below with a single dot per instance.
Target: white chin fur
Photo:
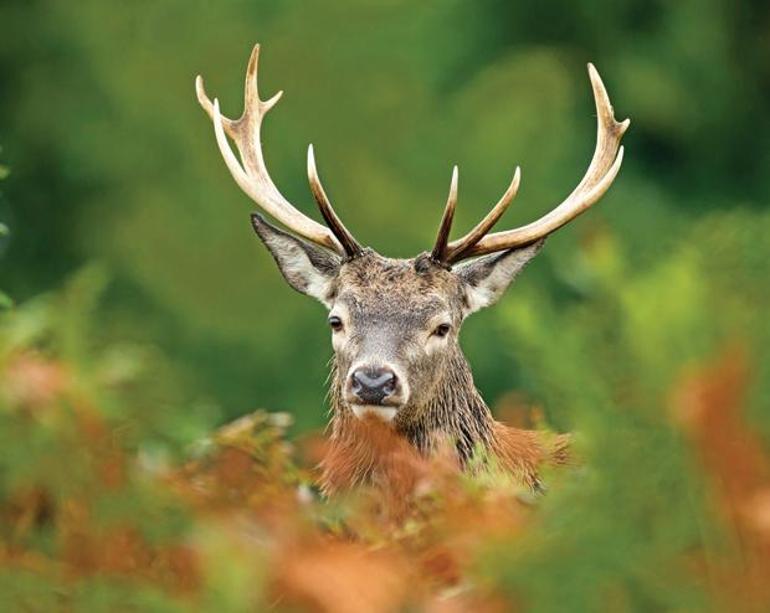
(384, 413)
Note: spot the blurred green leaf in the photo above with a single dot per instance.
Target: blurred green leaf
(184, 322)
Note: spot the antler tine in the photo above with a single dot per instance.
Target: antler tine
(457, 249)
(442, 239)
(251, 173)
(349, 243)
(604, 167)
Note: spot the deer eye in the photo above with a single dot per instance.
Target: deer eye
(442, 330)
(335, 323)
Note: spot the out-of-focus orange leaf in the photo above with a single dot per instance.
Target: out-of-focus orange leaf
(709, 405)
(32, 381)
(343, 578)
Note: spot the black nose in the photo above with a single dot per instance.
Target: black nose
(373, 385)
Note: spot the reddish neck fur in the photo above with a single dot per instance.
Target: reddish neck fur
(456, 416)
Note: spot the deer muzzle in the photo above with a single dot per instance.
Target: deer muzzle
(374, 389)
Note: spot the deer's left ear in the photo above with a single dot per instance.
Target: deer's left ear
(486, 278)
(309, 269)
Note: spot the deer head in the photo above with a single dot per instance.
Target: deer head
(395, 322)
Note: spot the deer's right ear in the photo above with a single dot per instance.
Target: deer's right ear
(309, 269)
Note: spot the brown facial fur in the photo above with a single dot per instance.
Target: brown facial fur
(390, 307)
(403, 317)
(390, 311)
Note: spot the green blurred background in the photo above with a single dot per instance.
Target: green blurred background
(144, 298)
(112, 161)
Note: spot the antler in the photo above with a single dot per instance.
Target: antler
(442, 239)
(349, 243)
(604, 166)
(251, 173)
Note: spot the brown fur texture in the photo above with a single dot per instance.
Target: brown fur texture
(403, 317)
(395, 456)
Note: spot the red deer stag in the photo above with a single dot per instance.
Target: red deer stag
(395, 322)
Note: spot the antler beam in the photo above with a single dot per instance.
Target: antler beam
(605, 164)
(251, 172)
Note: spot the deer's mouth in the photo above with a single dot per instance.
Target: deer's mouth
(385, 413)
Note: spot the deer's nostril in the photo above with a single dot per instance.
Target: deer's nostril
(373, 385)
(356, 384)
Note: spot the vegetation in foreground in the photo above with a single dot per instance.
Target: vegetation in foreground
(114, 494)
(112, 500)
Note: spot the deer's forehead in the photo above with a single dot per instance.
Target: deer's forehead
(385, 288)
(388, 309)
(374, 274)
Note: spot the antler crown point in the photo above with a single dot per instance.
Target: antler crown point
(271, 102)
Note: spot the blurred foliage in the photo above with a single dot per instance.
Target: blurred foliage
(113, 159)
(110, 497)
(642, 327)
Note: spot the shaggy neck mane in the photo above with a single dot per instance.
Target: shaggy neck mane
(368, 450)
